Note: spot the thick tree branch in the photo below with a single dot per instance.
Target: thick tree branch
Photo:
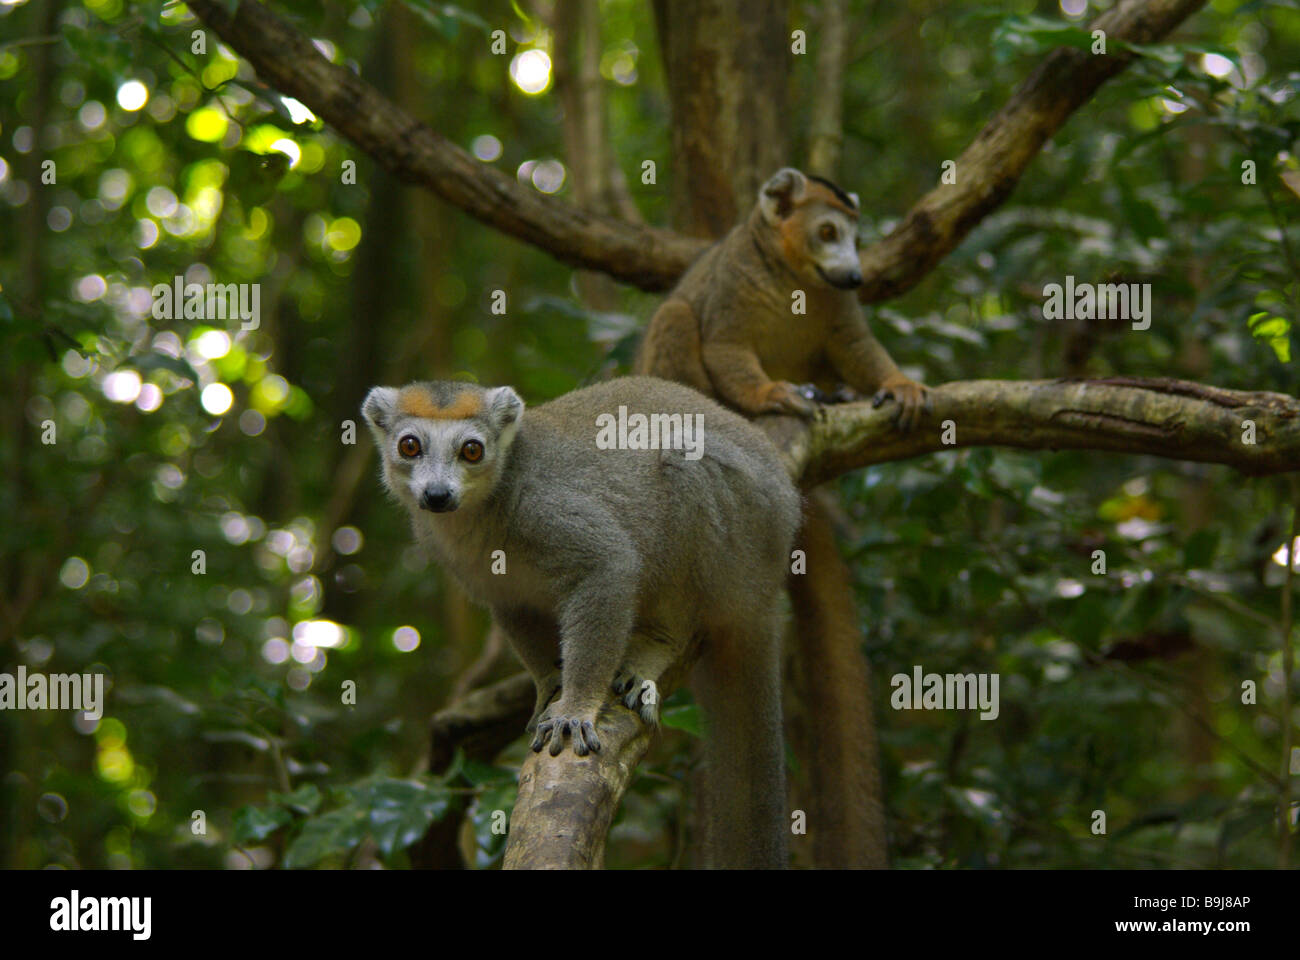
(1162, 417)
(482, 722)
(645, 257)
(988, 170)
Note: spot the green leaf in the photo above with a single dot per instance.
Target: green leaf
(1273, 330)
(305, 800)
(446, 18)
(257, 823)
(1018, 35)
(330, 833)
(161, 361)
(1167, 54)
(1200, 548)
(484, 774)
(685, 718)
(400, 811)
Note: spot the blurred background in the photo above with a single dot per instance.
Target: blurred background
(1120, 693)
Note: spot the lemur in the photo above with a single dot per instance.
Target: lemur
(598, 544)
(729, 330)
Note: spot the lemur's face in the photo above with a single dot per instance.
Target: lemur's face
(443, 447)
(830, 246)
(816, 225)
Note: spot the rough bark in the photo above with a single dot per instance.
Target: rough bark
(1160, 417)
(727, 72)
(567, 803)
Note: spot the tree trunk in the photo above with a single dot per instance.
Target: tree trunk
(727, 66)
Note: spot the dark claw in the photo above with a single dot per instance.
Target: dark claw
(552, 731)
(631, 690)
(557, 741)
(589, 735)
(632, 697)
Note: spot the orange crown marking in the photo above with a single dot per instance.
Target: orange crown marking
(416, 402)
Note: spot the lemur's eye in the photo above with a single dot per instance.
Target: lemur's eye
(828, 233)
(408, 446)
(472, 451)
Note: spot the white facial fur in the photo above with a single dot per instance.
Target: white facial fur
(441, 477)
(830, 236)
(836, 258)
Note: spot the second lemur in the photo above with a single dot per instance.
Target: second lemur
(730, 329)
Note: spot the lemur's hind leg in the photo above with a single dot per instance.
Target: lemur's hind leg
(651, 651)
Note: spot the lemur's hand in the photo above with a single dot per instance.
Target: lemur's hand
(912, 398)
(785, 397)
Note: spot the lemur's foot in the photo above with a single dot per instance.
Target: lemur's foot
(559, 720)
(548, 688)
(639, 694)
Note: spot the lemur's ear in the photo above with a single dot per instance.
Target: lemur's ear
(504, 406)
(776, 197)
(378, 408)
(504, 409)
(857, 204)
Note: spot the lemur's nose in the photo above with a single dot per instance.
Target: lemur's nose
(855, 279)
(437, 498)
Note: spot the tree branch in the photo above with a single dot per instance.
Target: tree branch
(989, 169)
(646, 257)
(1168, 418)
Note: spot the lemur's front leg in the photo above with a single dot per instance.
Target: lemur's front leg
(595, 621)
